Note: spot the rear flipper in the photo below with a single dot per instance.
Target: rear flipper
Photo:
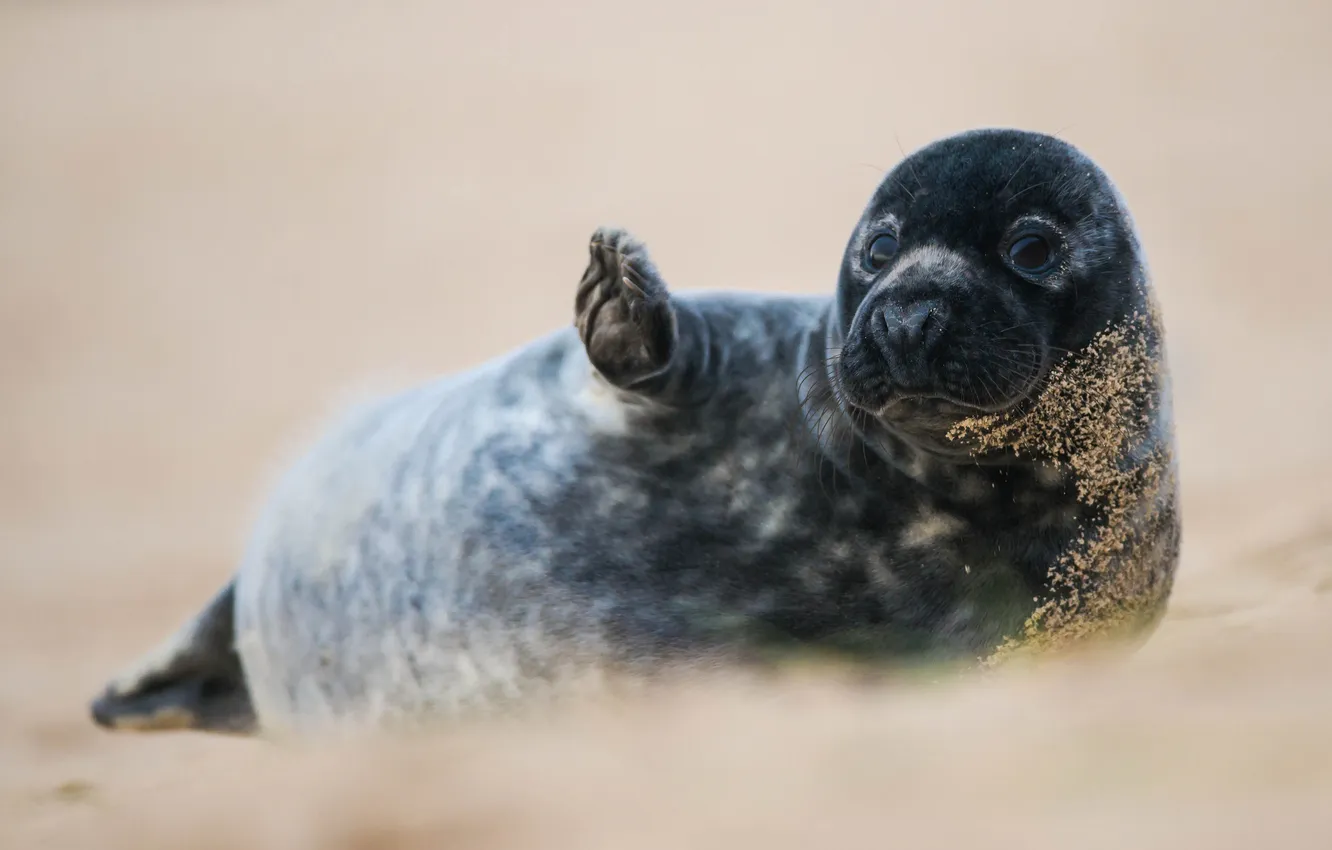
(192, 681)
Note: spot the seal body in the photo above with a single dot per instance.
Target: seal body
(474, 539)
(681, 479)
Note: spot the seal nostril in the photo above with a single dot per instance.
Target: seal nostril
(915, 323)
(882, 328)
(888, 320)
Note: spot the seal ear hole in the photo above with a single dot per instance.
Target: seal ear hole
(880, 251)
(1032, 253)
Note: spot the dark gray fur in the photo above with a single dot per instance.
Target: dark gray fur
(680, 479)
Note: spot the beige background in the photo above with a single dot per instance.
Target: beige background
(218, 221)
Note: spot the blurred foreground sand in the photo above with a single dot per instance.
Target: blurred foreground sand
(215, 223)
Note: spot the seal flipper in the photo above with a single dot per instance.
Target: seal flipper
(194, 680)
(636, 336)
(623, 310)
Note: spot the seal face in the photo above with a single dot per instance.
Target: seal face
(677, 480)
(974, 266)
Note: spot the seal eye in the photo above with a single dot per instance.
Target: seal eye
(1031, 254)
(881, 251)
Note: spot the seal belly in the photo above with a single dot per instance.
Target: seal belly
(375, 586)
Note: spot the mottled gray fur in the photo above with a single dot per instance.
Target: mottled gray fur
(672, 480)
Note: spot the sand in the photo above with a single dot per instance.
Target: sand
(219, 222)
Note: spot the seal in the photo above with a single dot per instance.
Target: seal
(685, 479)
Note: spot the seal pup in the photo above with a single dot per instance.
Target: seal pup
(712, 477)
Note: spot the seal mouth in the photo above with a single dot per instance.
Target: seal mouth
(974, 373)
(902, 403)
(898, 403)
(920, 418)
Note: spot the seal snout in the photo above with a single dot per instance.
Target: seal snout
(902, 338)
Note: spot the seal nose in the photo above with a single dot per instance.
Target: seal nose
(914, 327)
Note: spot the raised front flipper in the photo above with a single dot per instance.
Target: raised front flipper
(636, 336)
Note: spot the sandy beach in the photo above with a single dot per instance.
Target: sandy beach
(219, 223)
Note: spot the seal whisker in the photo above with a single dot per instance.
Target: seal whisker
(981, 378)
(1010, 361)
(1030, 154)
(1016, 195)
(911, 166)
(1031, 324)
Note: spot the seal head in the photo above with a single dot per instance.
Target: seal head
(980, 259)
